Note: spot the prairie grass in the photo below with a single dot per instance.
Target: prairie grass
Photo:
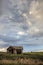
(30, 58)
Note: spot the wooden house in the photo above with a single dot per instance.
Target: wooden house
(15, 49)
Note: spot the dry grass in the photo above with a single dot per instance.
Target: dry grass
(22, 59)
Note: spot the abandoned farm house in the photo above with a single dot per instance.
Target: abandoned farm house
(15, 49)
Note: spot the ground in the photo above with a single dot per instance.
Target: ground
(29, 58)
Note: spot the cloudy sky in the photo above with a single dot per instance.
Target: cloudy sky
(21, 23)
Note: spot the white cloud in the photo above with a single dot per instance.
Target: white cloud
(33, 7)
(40, 50)
(33, 30)
(3, 49)
(21, 33)
(36, 10)
(36, 17)
(27, 19)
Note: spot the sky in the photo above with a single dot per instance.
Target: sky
(21, 24)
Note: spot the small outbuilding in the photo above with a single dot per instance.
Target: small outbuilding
(15, 49)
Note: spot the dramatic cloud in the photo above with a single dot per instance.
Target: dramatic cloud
(21, 22)
(36, 11)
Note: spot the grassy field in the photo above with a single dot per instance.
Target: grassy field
(30, 58)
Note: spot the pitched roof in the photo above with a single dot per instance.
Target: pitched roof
(15, 47)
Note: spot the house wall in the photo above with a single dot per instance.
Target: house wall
(19, 51)
(9, 51)
(14, 51)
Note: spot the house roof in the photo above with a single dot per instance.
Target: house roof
(15, 47)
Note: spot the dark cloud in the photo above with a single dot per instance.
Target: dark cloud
(21, 22)
(8, 39)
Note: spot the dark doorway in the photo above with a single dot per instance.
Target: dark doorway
(12, 51)
(19, 51)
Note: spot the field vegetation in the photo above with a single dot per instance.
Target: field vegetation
(30, 58)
